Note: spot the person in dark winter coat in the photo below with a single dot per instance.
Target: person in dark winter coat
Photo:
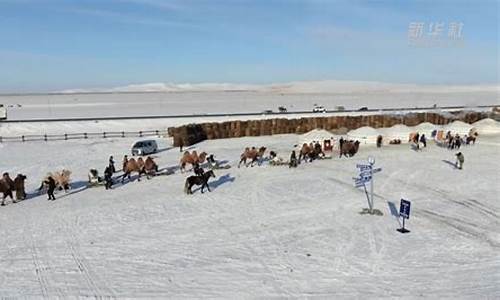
(112, 164)
(460, 160)
(423, 140)
(198, 170)
(379, 141)
(108, 177)
(293, 160)
(458, 141)
(341, 142)
(181, 144)
(52, 186)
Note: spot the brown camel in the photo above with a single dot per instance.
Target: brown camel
(133, 166)
(191, 158)
(19, 187)
(61, 178)
(349, 148)
(6, 187)
(150, 167)
(253, 155)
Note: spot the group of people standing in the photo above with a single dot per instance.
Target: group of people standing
(453, 141)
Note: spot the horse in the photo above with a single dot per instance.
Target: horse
(133, 166)
(191, 158)
(19, 186)
(349, 148)
(62, 180)
(198, 180)
(252, 154)
(150, 167)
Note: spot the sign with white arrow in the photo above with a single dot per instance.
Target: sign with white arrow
(366, 172)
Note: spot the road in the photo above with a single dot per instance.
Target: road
(243, 114)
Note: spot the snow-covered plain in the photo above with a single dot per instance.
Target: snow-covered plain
(187, 99)
(262, 231)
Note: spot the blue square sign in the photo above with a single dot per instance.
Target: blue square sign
(404, 209)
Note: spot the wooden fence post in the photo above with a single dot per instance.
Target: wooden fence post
(140, 133)
(84, 135)
(104, 134)
(123, 134)
(22, 138)
(45, 137)
(65, 136)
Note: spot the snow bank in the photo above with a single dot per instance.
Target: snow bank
(426, 128)
(316, 135)
(366, 135)
(459, 127)
(398, 131)
(487, 126)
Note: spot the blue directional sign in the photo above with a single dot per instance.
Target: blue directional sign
(404, 208)
(363, 167)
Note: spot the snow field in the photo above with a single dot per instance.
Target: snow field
(262, 232)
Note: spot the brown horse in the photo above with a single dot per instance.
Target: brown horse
(349, 148)
(198, 180)
(253, 155)
(133, 166)
(191, 158)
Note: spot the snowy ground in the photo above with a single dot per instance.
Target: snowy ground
(262, 232)
(182, 103)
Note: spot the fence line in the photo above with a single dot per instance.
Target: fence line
(80, 136)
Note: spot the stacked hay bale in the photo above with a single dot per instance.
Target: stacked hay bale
(195, 133)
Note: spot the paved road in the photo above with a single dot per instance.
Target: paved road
(242, 114)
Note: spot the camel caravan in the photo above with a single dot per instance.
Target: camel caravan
(135, 168)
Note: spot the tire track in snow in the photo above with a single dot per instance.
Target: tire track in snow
(82, 264)
(274, 283)
(40, 266)
(459, 226)
(42, 281)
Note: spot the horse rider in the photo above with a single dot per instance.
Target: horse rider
(198, 170)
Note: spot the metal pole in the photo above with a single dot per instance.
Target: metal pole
(371, 189)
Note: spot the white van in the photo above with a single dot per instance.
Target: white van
(144, 147)
(3, 112)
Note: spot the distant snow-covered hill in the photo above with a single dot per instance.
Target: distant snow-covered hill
(296, 87)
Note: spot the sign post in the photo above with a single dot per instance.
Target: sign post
(366, 172)
(404, 212)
